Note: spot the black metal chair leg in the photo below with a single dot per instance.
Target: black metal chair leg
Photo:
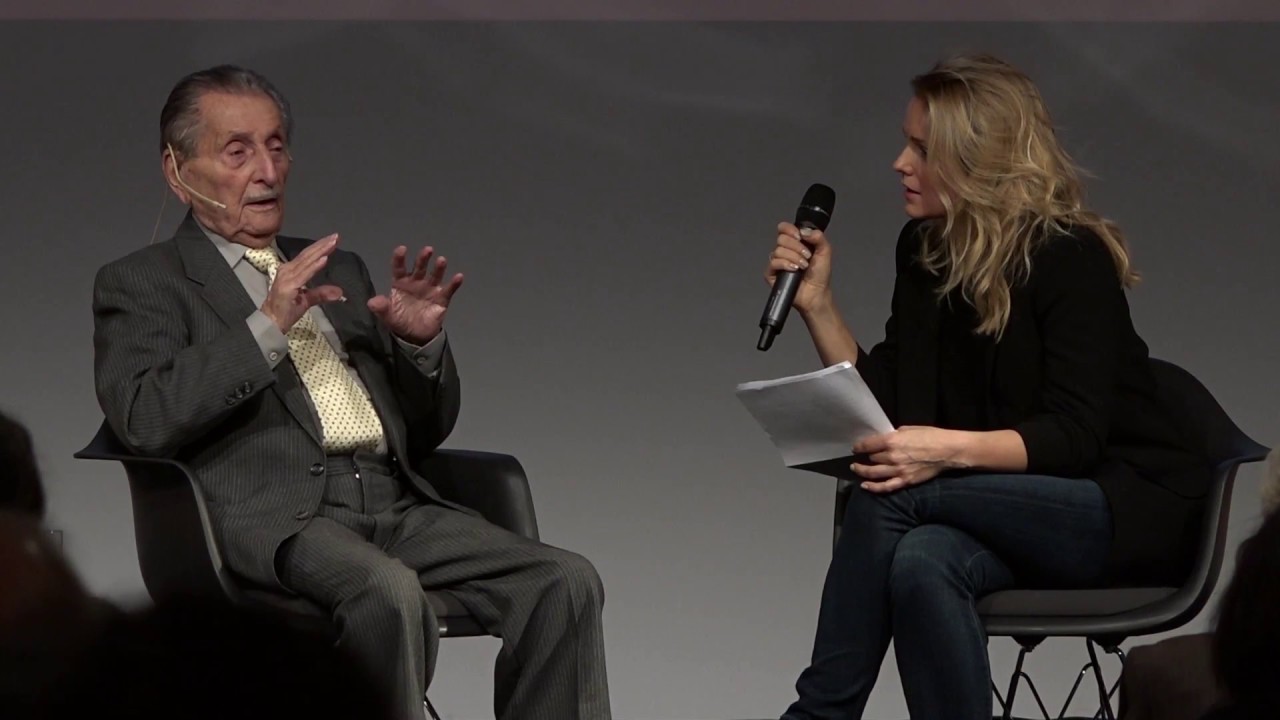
(1013, 683)
(1119, 653)
(1084, 670)
(1103, 695)
(1006, 709)
(1035, 693)
(431, 710)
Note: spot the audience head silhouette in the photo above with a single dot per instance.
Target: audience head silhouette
(204, 659)
(20, 487)
(1248, 632)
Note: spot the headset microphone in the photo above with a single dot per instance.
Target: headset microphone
(178, 175)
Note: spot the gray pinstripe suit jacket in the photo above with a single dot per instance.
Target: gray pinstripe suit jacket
(179, 374)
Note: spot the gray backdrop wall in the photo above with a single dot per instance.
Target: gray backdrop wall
(610, 190)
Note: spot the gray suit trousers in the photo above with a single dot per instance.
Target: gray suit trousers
(373, 547)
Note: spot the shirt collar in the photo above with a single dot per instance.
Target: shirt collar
(232, 252)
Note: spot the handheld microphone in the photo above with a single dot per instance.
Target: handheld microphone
(177, 174)
(814, 212)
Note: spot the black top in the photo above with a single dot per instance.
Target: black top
(1070, 375)
(961, 405)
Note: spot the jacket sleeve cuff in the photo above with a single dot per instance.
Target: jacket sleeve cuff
(426, 358)
(273, 343)
(1046, 453)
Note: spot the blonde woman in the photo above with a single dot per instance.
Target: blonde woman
(1030, 448)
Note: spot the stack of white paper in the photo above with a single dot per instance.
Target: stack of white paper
(816, 416)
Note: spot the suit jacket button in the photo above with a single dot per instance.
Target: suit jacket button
(247, 388)
(317, 469)
(231, 400)
(302, 515)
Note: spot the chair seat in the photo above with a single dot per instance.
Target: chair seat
(1114, 613)
(453, 617)
(1069, 603)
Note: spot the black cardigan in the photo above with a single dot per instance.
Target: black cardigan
(1072, 377)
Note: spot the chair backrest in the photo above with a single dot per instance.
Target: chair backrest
(1203, 422)
(1209, 432)
(176, 553)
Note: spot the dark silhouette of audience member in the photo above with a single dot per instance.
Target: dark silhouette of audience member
(20, 487)
(66, 654)
(46, 618)
(1246, 644)
(199, 659)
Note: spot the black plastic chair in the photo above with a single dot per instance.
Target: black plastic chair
(178, 554)
(1107, 617)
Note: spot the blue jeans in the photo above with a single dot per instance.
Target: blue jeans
(910, 566)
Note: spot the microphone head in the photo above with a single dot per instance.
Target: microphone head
(816, 207)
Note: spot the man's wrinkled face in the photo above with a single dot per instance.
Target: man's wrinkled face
(242, 161)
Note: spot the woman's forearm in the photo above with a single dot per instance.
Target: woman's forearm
(831, 336)
(998, 450)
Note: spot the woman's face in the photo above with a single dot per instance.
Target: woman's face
(922, 199)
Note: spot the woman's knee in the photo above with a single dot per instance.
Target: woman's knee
(930, 562)
(863, 506)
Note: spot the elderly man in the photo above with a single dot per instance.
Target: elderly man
(301, 399)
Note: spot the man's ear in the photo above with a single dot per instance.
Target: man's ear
(169, 166)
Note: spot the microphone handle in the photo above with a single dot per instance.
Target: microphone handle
(775, 311)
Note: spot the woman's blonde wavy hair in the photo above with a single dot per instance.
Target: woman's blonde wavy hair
(1004, 180)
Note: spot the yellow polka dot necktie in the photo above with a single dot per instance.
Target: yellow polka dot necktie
(347, 418)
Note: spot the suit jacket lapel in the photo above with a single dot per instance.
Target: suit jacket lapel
(206, 267)
(226, 296)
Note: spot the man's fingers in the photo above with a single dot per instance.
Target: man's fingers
(397, 262)
(379, 305)
(323, 294)
(308, 262)
(454, 283)
(324, 246)
(437, 272)
(289, 279)
(423, 263)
